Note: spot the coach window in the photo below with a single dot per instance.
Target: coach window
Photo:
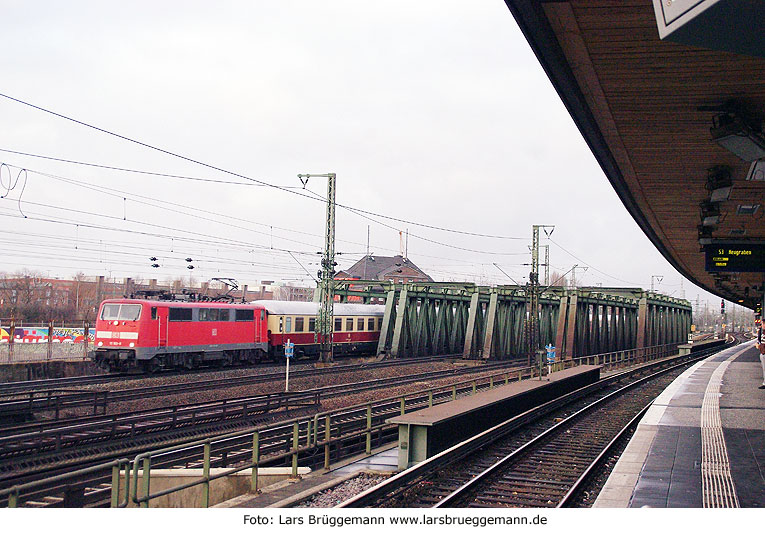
(361, 324)
(371, 324)
(153, 313)
(223, 317)
(299, 324)
(288, 325)
(349, 324)
(213, 315)
(379, 324)
(311, 324)
(178, 314)
(338, 324)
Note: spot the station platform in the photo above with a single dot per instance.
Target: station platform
(702, 442)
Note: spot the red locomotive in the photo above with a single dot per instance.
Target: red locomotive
(155, 335)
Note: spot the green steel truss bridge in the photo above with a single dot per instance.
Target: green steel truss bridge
(483, 322)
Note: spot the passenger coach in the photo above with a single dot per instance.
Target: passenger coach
(356, 327)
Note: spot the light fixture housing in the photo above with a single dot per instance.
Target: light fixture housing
(756, 171)
(742, 138)
(719, 183)
(710, 213)
(747, 209)
(705, 235)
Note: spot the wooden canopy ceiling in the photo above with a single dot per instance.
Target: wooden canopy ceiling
(636, 101)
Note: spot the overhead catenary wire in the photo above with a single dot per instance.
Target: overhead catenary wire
(242, 176)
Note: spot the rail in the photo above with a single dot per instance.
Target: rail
(320, 432)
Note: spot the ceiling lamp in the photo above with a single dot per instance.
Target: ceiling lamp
(740, 137)
(710, 213)
(705, 235)
(719, 183)
(756, 171)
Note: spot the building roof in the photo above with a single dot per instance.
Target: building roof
(373, 267)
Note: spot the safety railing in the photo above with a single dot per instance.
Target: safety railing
(355, 426)
(120, 476)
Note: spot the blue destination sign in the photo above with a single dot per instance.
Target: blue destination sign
(735, 257)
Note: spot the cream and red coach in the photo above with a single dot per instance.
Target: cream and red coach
(155, 335)
(356, 327)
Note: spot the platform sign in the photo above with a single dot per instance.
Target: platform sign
(735, 257)
(550, 353)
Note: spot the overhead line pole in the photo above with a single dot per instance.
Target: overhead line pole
(324, 322)
(533, 313)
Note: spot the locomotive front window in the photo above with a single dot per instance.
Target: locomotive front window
(118, 311)
(111, 311)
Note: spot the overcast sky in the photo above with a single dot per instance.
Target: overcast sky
(433, 112)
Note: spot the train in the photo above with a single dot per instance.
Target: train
(152, 335)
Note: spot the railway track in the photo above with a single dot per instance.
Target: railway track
(16, 403)
(543, 458)
(349, 428)
(37, 446)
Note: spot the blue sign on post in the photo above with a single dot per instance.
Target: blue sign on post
(289, 349)
(550, 353)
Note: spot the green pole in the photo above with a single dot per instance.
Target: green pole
(294, 449)
(206, 476)
(255, 461)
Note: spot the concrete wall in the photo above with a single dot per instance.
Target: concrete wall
(35, 370)
(221, 489)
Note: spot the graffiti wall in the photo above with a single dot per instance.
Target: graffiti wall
(40, 335)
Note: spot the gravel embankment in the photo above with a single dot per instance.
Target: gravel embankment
(343, 491)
